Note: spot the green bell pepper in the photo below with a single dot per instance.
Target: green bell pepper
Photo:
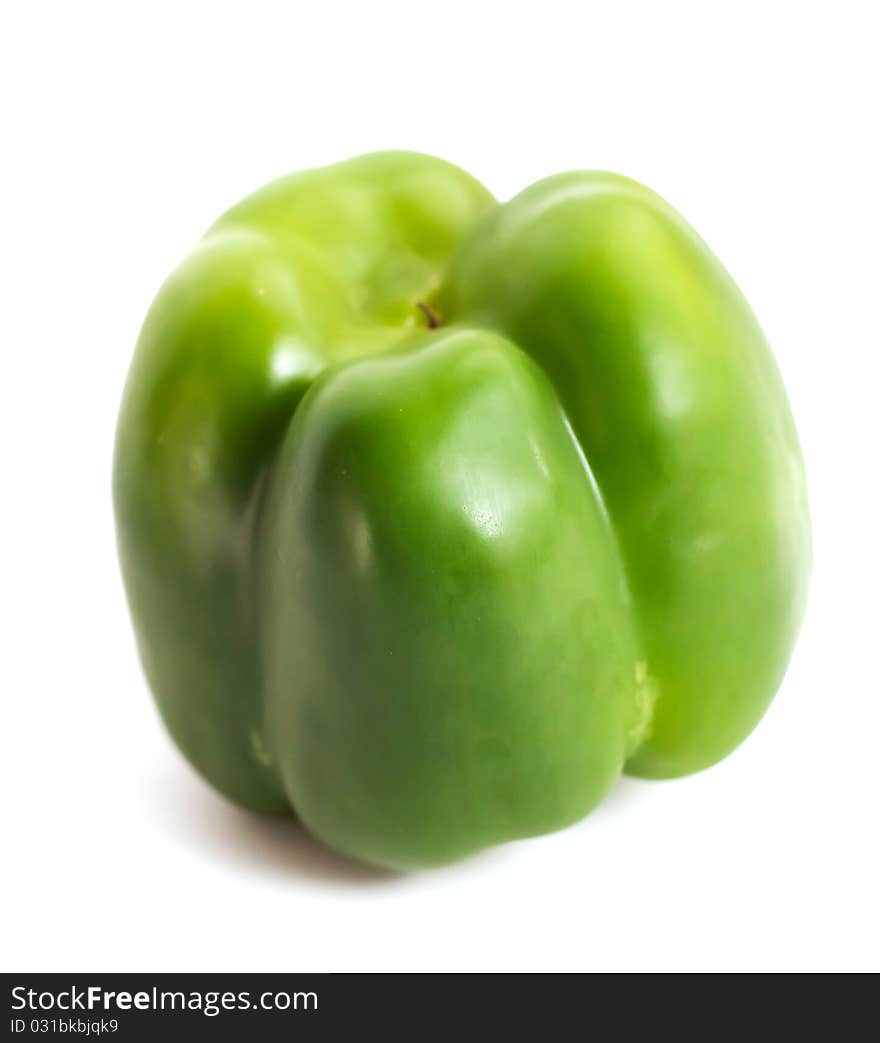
(436, 514)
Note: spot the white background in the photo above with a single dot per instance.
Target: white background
(127, 128)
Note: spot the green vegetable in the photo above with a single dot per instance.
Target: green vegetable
(436, 514)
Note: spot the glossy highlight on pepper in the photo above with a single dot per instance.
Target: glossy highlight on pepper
(436, 514)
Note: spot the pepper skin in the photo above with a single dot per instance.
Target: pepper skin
(436, 514)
